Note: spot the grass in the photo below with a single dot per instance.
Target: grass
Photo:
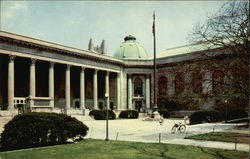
(222, 136)
(99, 149)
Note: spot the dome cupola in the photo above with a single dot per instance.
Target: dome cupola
(130, 49)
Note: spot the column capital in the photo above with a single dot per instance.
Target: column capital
(107, 72)
(52, 64)
(96, 71)
(11, 58)
(33, 61)
(68, 66)
(147, 75)
(83, 69)
(118, 74)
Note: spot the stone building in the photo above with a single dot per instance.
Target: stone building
(45, 76)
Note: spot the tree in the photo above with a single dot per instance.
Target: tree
(227, 30)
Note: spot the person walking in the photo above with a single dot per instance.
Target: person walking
(161, 120)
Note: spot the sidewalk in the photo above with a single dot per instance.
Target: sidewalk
(190, 142)
(211, 144)
(140, 131)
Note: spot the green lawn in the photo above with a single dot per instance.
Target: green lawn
(98, 149)
(222, 136)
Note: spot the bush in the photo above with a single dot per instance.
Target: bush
(101, 114)
(205, 116)
(129, 114)
(165, 113)
(236, 114)
(165, 103)
(40, 129)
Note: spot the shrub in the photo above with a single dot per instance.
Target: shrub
(236, 113)
(205, 116)
(40, 129)
(164, 103)
(165, 113)
(129, 114)
(101, 114)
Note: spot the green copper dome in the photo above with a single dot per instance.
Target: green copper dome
(130, 49)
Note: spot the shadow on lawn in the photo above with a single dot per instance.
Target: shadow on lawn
(162, 153)
(216, 154)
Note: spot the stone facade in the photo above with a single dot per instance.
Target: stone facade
(44, 76)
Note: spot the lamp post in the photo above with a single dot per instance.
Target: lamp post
(107, 117)
(226, 109)
(155, 107)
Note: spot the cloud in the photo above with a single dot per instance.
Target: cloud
(9, 9)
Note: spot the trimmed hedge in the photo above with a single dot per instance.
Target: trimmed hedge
(236, 114)
(205, 116)
(41, 129)
(101, 114)
(129, 114)
(165, 113)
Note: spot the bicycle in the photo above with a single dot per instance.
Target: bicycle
(179, 128)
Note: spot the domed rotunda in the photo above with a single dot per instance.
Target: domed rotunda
(130, 49)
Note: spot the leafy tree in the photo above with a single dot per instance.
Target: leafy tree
(225, 36)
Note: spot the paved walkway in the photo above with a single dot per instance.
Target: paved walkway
(149, 131)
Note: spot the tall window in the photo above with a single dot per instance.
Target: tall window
(197, 82)
(138, 86)
(162, 86)
(218, 80)
(179, 84)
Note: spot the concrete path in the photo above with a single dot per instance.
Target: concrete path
(149, 131)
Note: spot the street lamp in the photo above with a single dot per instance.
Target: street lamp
(226, 109)
(107, 116)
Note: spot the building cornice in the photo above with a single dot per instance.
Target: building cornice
(45, 45)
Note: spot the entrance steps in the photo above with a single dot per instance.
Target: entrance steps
(3, 121)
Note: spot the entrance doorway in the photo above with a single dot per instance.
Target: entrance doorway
(138, 105)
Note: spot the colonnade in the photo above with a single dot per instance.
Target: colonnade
(32, 84)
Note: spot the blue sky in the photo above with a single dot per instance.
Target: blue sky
(72, 23)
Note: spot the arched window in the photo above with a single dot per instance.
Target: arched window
(218, 80)
(197, 82)
(179, 84)
(138, 86)
(162, 86)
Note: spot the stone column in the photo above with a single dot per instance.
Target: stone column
(107, 88)
(82, 89)
(118, 91)
(67, 87)
(123, 92)
(51, 84)
(129, 92)
(147, 93)
(11, 83)
(95, 91)
(32, 81)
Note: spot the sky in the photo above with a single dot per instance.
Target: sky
(73, 23)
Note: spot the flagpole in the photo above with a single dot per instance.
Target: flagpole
(155, 98)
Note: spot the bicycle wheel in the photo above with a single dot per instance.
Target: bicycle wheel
(173, 129)
(182, 128)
